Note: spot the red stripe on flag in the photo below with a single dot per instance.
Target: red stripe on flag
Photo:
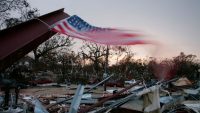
(129, 35)
(61, 28)
(65, 24)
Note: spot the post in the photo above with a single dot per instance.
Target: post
(76, 100)
(199, 74)
(106, 67)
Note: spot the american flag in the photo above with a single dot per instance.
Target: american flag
(76, 27)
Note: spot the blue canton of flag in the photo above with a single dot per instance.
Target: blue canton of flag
(78, 23)
(81, 25)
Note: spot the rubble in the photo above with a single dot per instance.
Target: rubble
(182, 82)
(135, 97)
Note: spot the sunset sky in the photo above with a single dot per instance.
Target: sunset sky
(175, 24)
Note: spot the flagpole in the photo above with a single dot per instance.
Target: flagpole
(106, 66)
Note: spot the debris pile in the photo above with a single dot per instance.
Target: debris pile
(176, 95)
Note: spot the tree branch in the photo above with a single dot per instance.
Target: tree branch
(8, 8)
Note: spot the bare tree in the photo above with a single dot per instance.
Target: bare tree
(52, 47)
(13, 12)
(187, 65)
(95, 53)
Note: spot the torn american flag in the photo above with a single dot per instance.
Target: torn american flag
(76, 27)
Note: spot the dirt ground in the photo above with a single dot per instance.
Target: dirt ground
(50, 90)
(44, 91)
